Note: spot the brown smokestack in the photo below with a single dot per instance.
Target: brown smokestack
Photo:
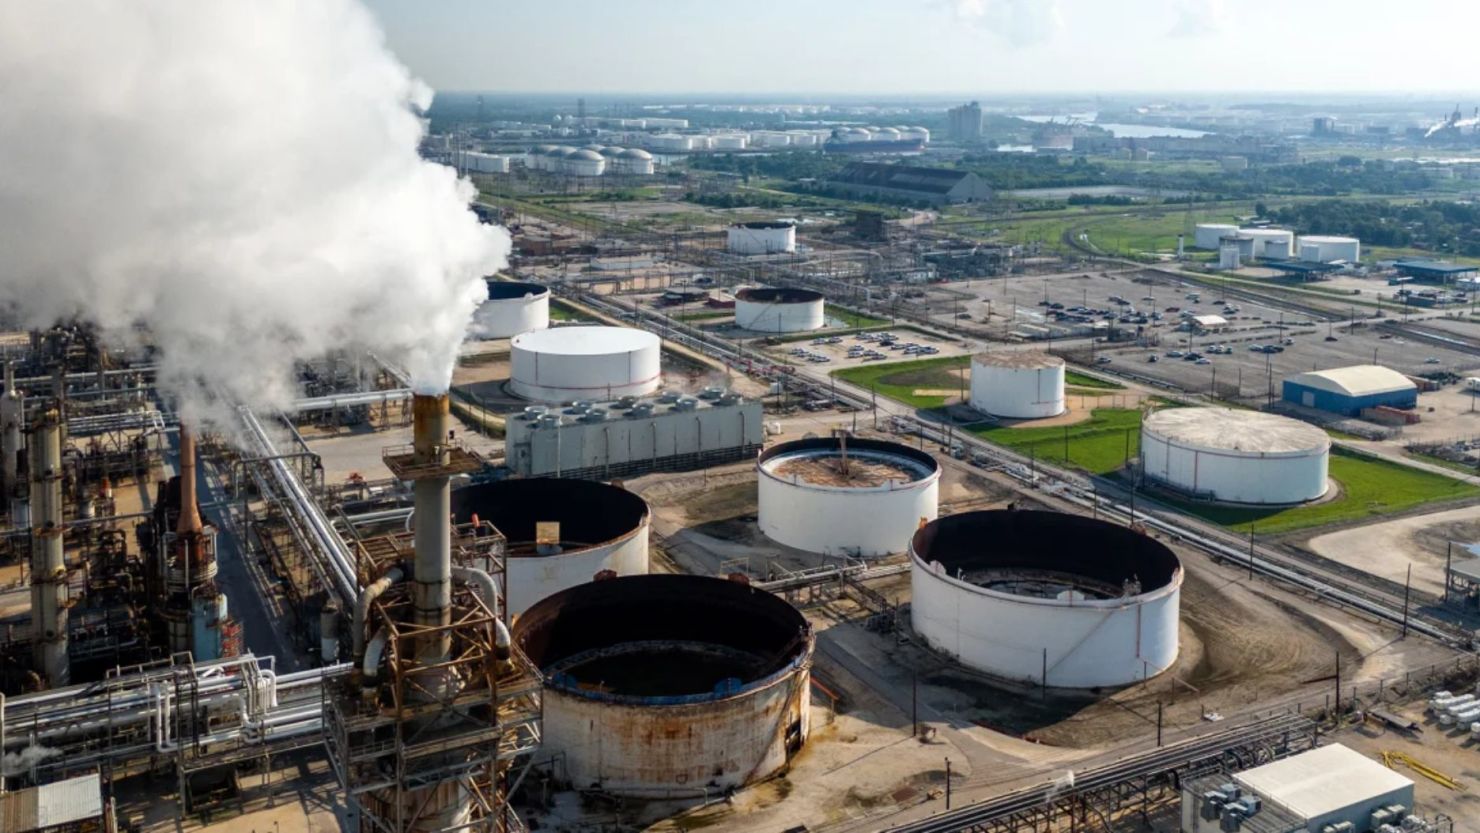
(190, 523)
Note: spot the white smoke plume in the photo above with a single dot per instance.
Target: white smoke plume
(1019, 22)
(240, 181)
(13, 764)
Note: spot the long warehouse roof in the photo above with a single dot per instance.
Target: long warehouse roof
(1322, 781)
(1357, 380)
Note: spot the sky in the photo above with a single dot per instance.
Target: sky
(981, 47)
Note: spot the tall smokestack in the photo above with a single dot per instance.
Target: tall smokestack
(189, 523)
(12, 414)
(48, 560)
(432, 588)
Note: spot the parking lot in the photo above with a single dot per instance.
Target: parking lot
(897, 345)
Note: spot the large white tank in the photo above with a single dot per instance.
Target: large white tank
(485, 163)
(665, 686)
(592, 527)
(1025, 384)
(1235, 456)
(779, 310)
(802, 139)
(730, 141)
(862, 498)
(512, 308)
(567, 363)
(1207, 235)
(1046, 598)
(635, 161)
(1325, 249)
(1271, 243)
(761, 238)
(585, 163)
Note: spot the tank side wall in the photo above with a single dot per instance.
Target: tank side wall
(532, 579)
(870, 524)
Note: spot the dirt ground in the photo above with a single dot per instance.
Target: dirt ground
(1455, 754)
(1388, 549)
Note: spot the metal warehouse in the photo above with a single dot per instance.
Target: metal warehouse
(1350, 390)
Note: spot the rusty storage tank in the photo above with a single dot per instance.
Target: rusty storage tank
(587, 527)
(670, 686)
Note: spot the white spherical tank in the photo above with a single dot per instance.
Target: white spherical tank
(512, 308)
(591, 527)
(585, 163)
(1207, 235)
(1235, 456)
(1018, 385)
(565, 363)
(864, 498)
(1046, 598)
(779, 310)
(761, 238)
(635, 161)
(666, 685)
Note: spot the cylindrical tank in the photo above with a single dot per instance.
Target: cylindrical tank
(635, 161)
(588, 527)
(512, 308)
(1207, 235)
(1018, 385)
(585, 163)
(1045, 597)
(730, 141)
(1271, 243)
(567, 363)
(669, 686)
(1326, 249)
(1235, 456)
(761, 238)
(854, 497)
(779, 310)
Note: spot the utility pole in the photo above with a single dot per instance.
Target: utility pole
(914, 705)
(1158, 724)
(948, 783)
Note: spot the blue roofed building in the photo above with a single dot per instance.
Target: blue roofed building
(1350, 390)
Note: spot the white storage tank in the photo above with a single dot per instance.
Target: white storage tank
(779, 309)
(730, 141)
(669, 142)
(1235, 456)
(562, 364)
(511, 308)
(761, 238)
(1025, 384)
(856, 497)
(585, 163)
(635, 161)
(916, 132)
(1207, 235)
(485, 163)
(1046, 598)
(667, 686)
(802, 139)
(588, 527)
(1326, 249)
(1271, 243)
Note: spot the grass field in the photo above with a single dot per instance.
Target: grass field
(1370, 487)
(1084, 380)
(560, 312)
(900, 380)
(853, 319)
(1100, 445)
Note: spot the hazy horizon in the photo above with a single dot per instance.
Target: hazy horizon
(892, 48)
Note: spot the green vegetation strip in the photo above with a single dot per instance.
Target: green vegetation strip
(1084, 380)
(1369, 488)
(900, 380)
(561, 312)
(1099, 445)
(854, 319)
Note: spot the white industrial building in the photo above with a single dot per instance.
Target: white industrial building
(1208, 235)
(761, 238)
(1325, 249)
(1235, 456)
(563, 364)
(1330, 789)
(510, 309)
(845, 496)
(558, 532)
(485, 163)
(1046, 598)
(768, 309)
(632, 436)
(1025, 384)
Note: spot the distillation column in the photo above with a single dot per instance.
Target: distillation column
(12, 423)
(48, 558)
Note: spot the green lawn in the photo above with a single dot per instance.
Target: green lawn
(1370, 487)
(1100, 445)
(1084, 380)
(900, 380)
(853, 319)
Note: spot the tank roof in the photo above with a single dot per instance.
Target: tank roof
(818, 461)
(585, 341)
(778, 295)
(590, 513)
(766, 224)
(1024, 543)
(509, 290)
(612, 150)
(1232, 429)
(1019, 359)
(588, 155)
(635, 153)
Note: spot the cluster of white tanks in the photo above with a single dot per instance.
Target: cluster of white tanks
(510, 309)
(1235, 456)
(779, 309)
(1460, 711)
(1046, 598)
(1276, 244)
(761, 238)
(1026, 384)
(854, 135)
(485, 163)
(1314, 248)
(563, 364)
(591, 160)
(845, 496)
(559, 532)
